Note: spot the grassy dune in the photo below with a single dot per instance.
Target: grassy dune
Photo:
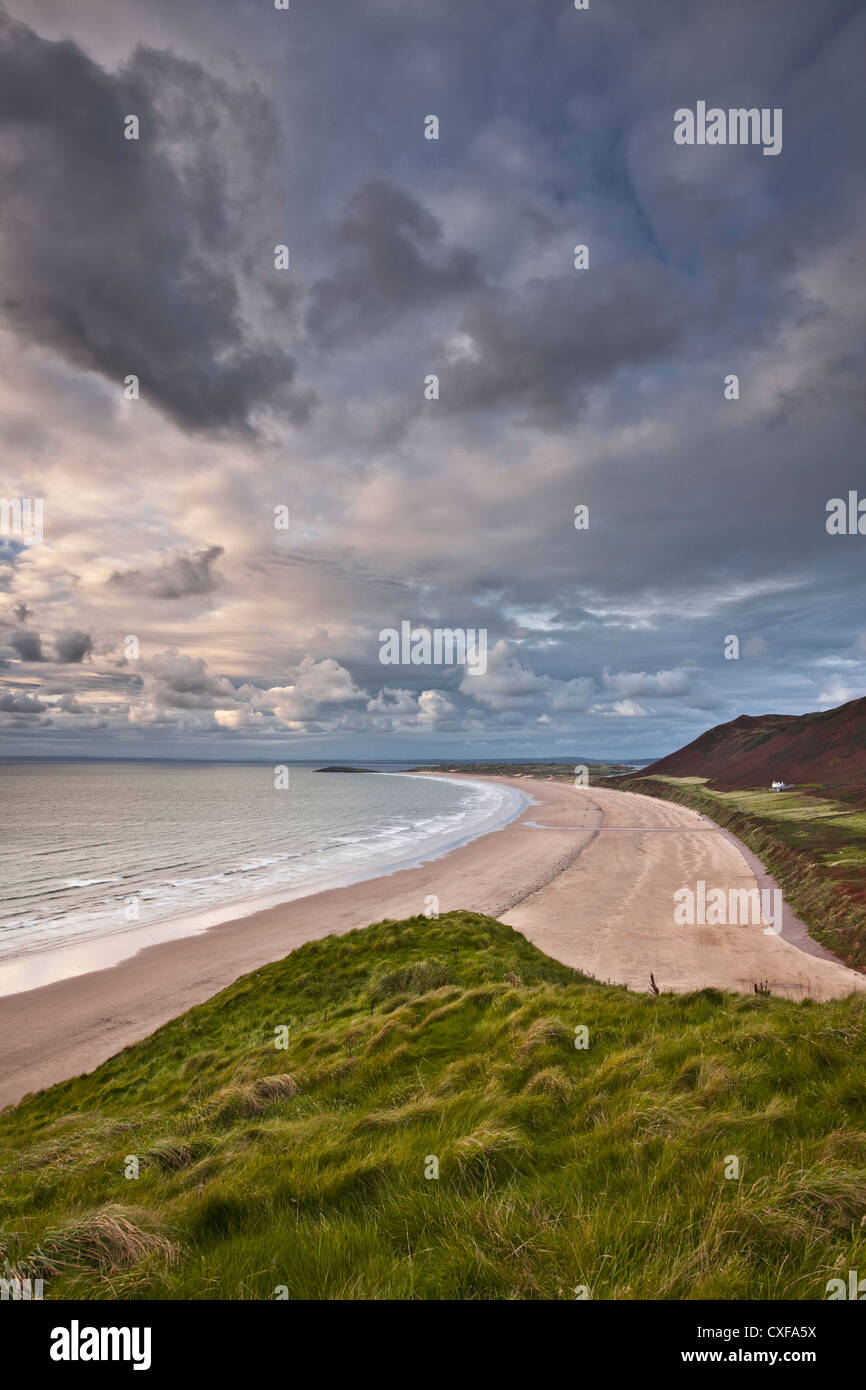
(811, 842)
(305, 1167)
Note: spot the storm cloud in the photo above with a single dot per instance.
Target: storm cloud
(27, 644)
(544, 346)
(564, 390)
(72, 647)
(392, 258)
(106, 244)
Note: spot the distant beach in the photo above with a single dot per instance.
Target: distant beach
(583, 873)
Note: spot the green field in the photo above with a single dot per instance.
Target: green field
(556, 772)
(559, 1168)
(812, 843)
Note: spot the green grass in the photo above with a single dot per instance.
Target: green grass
(813, 844)
(558, 1167)
(551, 772)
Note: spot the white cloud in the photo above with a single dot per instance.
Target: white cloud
(663, 683)
(508, 685)
(434, 707)
(837, 693)
(242, 718)
(316, 683)
(621, 709)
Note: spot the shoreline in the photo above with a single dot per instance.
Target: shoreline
(92, 951)
(600, 902)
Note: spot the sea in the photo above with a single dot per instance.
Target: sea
(98, 859)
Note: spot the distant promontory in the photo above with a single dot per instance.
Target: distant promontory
(338, 768)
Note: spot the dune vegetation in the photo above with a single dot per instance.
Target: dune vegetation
(308, 1170)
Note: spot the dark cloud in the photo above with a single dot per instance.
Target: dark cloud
(454, 257)
(27, 644)
(176, 577)
(106, 244)
(392, 257)
(16, 702)
(541, 347)
(72, 647)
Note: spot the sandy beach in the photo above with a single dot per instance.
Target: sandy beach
(587, 874)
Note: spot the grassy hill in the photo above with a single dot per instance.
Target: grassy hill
(826, 749)
(559, 1168)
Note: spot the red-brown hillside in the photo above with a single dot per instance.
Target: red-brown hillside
(828, 748)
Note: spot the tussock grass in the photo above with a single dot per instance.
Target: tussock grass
(111, 1239)
(172, 1153)
(450, 1039)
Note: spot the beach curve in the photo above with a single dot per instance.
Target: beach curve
(587, 874)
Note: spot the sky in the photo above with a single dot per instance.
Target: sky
(306, 388)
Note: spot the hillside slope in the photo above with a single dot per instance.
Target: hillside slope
(828, 748)
(309, 1169)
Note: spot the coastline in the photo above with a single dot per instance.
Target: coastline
(583, 873)
(99, 949)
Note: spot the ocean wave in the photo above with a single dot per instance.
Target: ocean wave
(404, 823)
